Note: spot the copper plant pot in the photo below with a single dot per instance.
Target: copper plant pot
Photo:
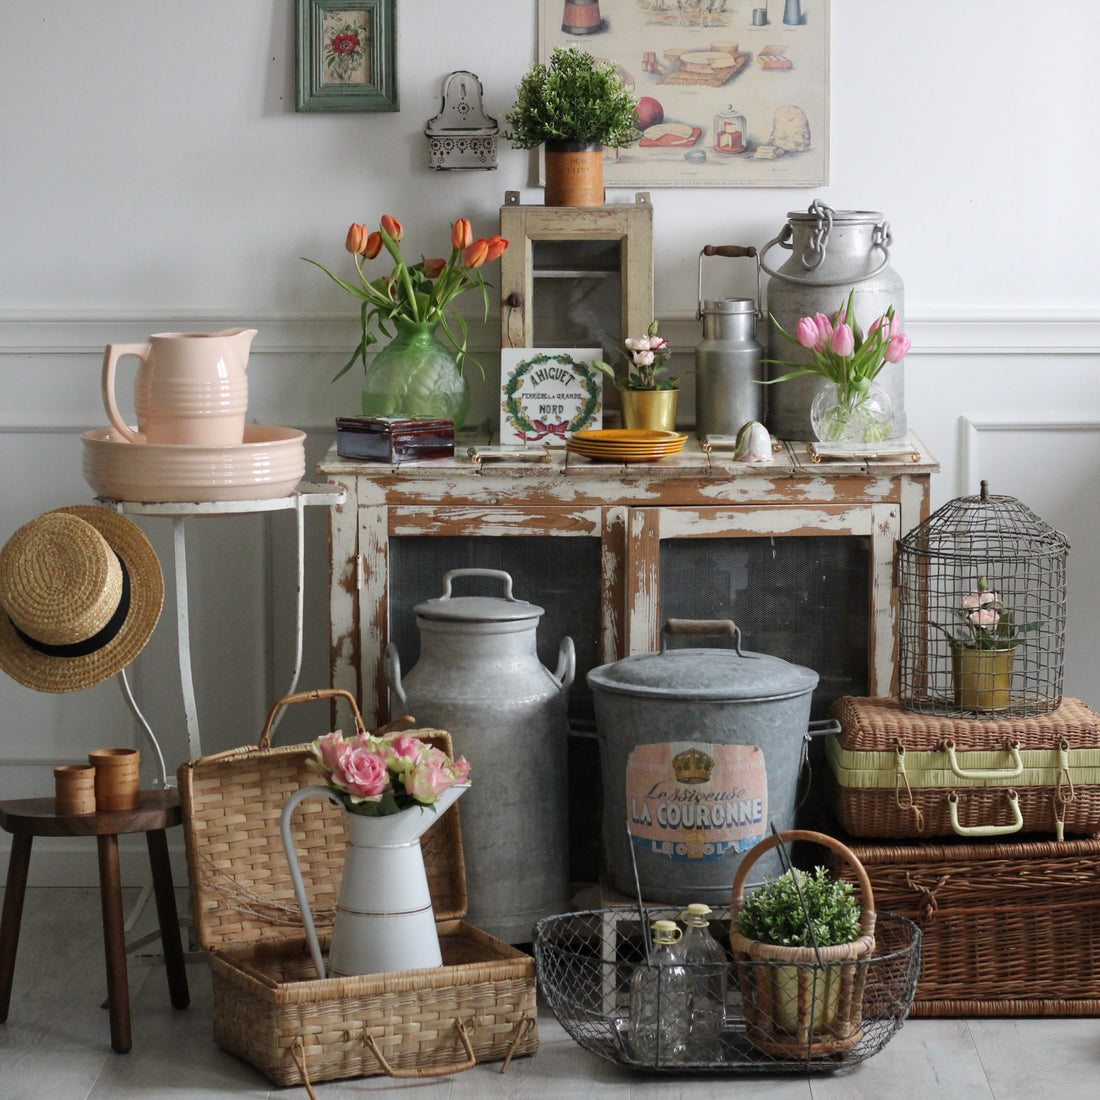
(574, 174)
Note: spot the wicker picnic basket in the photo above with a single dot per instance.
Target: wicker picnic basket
(1009, 929)
(269, 1006)
(896, 773)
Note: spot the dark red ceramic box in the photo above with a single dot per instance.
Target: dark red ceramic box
(394, 439)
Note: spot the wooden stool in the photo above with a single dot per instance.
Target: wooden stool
(30, 817)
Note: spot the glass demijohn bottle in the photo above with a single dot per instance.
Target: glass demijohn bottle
(659, 1022)
(707, 967)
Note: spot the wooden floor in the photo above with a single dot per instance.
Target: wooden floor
(55, 1045)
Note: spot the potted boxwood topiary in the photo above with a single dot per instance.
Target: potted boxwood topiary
(574, 106)
(815, 928)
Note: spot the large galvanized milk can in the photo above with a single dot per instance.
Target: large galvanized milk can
(479, 678)
(728, 370)
(833, 252)
(701, 750)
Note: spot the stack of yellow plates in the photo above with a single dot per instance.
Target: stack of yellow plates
(626, 445)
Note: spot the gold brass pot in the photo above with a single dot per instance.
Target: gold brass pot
(649, 410)
(982, 677)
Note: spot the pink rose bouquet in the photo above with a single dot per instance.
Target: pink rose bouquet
(645, 358)
(984, 622)
(376, 776)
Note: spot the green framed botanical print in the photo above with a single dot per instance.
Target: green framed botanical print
(347, 55)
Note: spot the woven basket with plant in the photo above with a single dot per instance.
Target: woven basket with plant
(796, 940)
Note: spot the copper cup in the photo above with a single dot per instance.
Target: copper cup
(74, 786)
(117, 782)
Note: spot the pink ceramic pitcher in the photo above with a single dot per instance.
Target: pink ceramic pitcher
(191, 387)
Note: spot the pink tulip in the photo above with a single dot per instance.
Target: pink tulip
(842, 341)
(897, 348)
(807, 332)
(824, 327)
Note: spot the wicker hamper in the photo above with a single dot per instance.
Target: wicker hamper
(896, 773)
(269, 1006)
(1008, 929)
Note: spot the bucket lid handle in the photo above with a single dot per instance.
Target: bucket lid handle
(709, 627)
(500, 574)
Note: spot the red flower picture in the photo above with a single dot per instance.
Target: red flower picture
(347, 38)
(345, 43)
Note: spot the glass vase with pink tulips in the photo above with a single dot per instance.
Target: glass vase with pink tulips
(416, 375)
(851, 407)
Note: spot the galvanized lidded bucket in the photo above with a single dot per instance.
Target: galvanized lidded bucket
(479, 678)
(833, 252)
(701, 750)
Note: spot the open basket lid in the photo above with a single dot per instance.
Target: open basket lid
(241, 889)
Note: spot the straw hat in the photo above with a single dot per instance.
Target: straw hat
(80, 593)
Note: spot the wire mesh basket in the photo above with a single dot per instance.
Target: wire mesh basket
(981, 611)
(586, 962)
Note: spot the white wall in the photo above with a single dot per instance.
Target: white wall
(154, 175)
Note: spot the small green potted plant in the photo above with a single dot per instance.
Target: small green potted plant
(983, 650)
(815, 926)
(647, 392)
(575, 106)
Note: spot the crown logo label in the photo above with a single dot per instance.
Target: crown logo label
(692, 766)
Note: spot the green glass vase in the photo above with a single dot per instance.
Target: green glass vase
(416, 375)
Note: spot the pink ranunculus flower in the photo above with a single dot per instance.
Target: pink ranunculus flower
(637, 343)
(428, 780)
(460, 770)
(657, 343)
(972, 600)
(897, 348)
(843, 341)
(643, 358)
(328, 749)
(807, 332)
(363, 774)
(402, 750)
(984, 616)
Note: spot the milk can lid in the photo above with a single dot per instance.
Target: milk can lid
(478, 609)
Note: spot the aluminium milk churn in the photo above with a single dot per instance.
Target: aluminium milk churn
(480, 679)
(832, 253)
(728, 370)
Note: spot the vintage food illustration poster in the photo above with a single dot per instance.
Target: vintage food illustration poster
(732, 93)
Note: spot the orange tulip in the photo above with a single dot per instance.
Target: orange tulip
(462, 236)
(373, 245)
(393, 227)
(496, 246)
(433, 268)
(475, 254)
(356, 238)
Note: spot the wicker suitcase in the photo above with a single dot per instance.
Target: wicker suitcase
(1009, 929)
(269, 1006)
(894, 773)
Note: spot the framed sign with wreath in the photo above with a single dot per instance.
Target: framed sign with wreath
(347, 55)
(547, 393)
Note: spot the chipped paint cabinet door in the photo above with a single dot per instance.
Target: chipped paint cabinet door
(801, 556)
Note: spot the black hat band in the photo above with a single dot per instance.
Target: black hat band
(98, 640)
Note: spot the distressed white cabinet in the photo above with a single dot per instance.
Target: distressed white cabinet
(800, 555)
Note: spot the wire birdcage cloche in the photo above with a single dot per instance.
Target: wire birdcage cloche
(982, 611)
